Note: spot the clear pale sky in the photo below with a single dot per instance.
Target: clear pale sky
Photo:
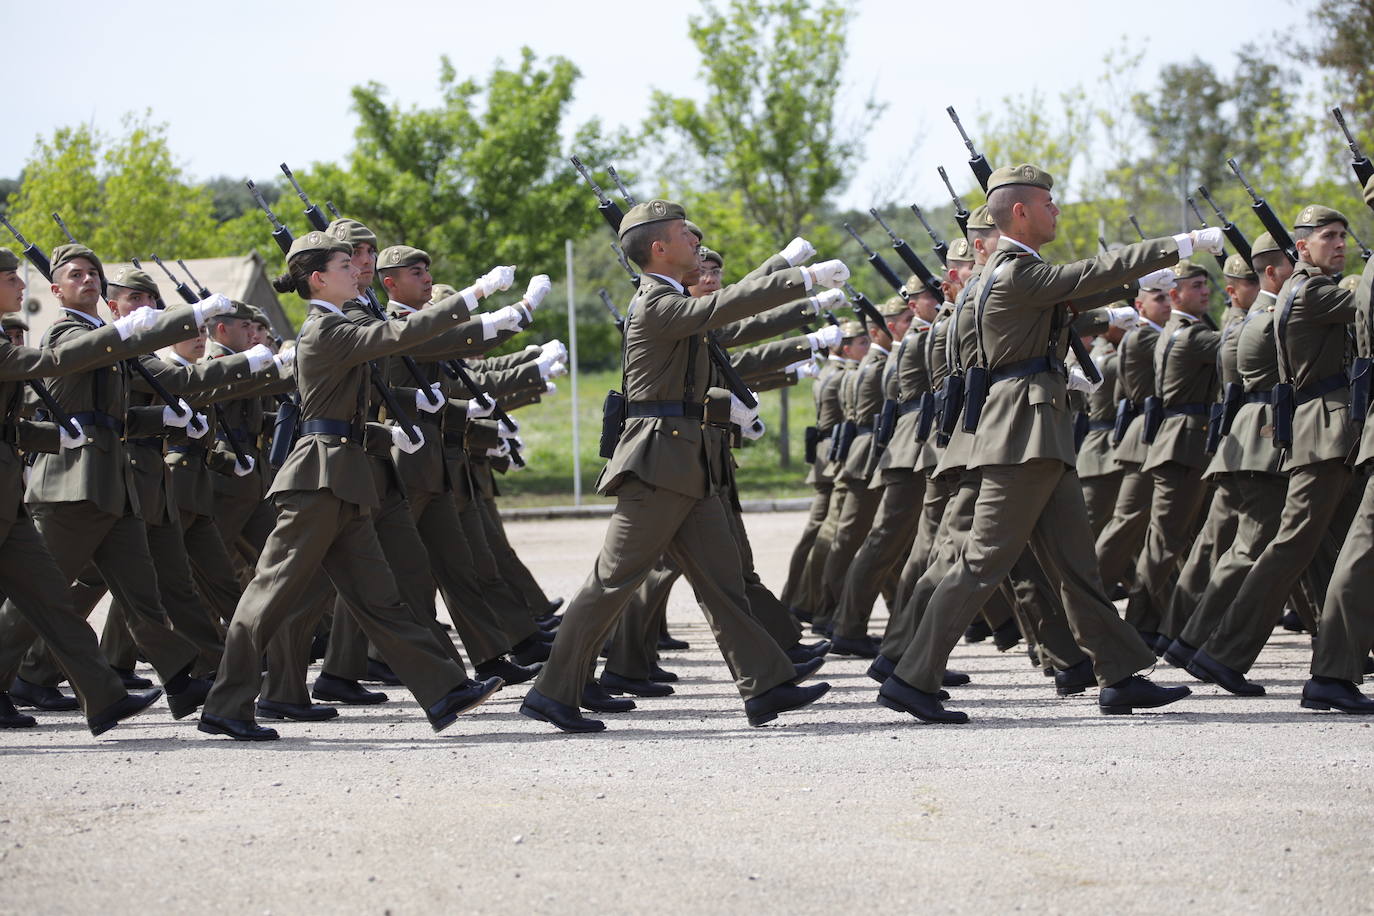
(238, 101)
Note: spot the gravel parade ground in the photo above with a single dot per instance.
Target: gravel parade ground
(1040, 804)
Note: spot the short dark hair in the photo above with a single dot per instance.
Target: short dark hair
(1002, 199)
(639, 240)
(1266, 259)
(1303, 232)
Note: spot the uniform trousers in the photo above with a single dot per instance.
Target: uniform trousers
(890, 539)
(1118, 546)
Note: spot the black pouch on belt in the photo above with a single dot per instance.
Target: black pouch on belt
(612, 422)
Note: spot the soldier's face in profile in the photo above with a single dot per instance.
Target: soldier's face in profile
(1041, 216)
(857, 348)
(11, 291)
(193, 348)
(365, 259)
(1154, 305)
(124, 301)
(411, 285)
(678, 249)
(1325, 248)
(1242, 292)
(1190, 295)
(709, 280)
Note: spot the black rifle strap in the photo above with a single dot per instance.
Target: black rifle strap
(983, 294)
(1281, 327)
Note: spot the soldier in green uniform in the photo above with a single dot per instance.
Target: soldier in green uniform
(325, 494)
(1311, 324)
(1097, 466)
(665, 474)
(1023, 445)
(39, 597)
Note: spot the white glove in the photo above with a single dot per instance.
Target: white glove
(1078, 381)
(180, 416)
(240, 470)
(67, 440)
(807, 368)
(285, 360)
(530, 348)
(401, 440)
(476, 411)
(199, 428)
(829, 299)
(539, 288)
(259, 357)
(498, 278)
(506, 430)
(830, 274)
(430, 399)
(753, 431)
(1209, 240)
(503, 319)
(827, 337)
(136, 322)
(500, 451)
(217, 304)
(742, 416)
(1158, 279)
(555, 347)
(1122, 316)
(798, 251)
(558, 369)
(550, 388)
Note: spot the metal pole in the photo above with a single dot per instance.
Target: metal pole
(572, 378)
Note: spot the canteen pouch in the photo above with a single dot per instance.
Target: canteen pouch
(887, 421)
(952, 403)
(612, 422)
(812, 438)
(1154, 418)
(284, 432)
(1284, 405)
(1125, 413)
(926, 416)
(1080, 429)
(1231, 400)
(1360, 377)
(975, 393)
(1216, 418)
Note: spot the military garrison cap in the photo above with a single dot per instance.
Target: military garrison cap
(1314, 215)
(959, 250)
(133, 278)
(15, 321)
(319, 241)
(1237, 268)
(242, 312)
(1186, 269)
(895, 305)
(1263, 244)
(651, 211)
(707, 254)
(352, 232)
(401, 256)
(258, 316)
(695, 230)
(63, 255)
(1025, 174)
(980, 218)
(8, 260)
(850, 329)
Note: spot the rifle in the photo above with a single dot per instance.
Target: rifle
(200, 287)
(610, 307)
(864, 308)
(608, 208)
(191, 298)
(624, 192)
(977, 162)
(1364, 249)
(1359, 161)
(157, 387)
(282, 236)
(1267, 216)
(625, 264)
(961, 213)
(1232, 232)
(937, 244)
(876, 260)
(1202, 221)
(907, 255)
(40, 261)
(1136, 223)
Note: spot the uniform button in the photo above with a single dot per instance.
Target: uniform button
(343, 440)
(674, 432)
(109, 349)
(469, 340)
(186, 327)
(703, 426)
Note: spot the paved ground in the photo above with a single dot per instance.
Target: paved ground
(1040, 804)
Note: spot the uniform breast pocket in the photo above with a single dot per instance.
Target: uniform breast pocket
(679, 430)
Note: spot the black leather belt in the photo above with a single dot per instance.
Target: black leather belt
(194, 451)
(341, 428)
(1188, 410)
(1024, 368)
(101, 419)
(1097, 425)
(146, 442)
(863, 431)
(906, 407)
(689, 409)
(1258, 397)
(1324, 386)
